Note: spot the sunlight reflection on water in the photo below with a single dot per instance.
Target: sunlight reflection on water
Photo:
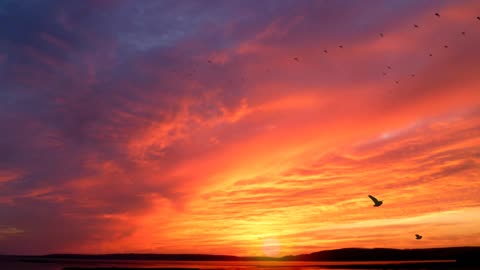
(218, 265)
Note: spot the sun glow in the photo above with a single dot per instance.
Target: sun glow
(271, 247)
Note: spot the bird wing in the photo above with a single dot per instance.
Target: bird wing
(373, 198)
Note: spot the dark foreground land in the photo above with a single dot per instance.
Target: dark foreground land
(393, 266)
(458, 258)
(460, 254)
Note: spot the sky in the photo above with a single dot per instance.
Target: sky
(238, 127)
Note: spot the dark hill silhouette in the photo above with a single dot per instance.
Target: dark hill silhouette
(346, 254)
(386, 254)
(146, 256)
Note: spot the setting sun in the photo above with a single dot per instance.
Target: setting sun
(271, 247)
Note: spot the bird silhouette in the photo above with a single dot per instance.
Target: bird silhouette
(381, 34)
(384, 73)
(376, 202)
(430, 55)
(413, 75)
(397, 82)
(436, 14)
(325, 51)
(209, 61)
(446, 46)
(296, 59)
(340, 46)
(389, 67)
(478, 18)
(416, 26)
(463, 33)
(418, 236)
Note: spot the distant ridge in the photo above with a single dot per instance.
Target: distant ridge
(153, 256)
(388, 254)
(460, 254)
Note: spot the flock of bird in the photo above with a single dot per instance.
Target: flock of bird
(326, 51)
(381, 36)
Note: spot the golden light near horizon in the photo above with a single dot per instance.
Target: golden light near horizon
(271, 247)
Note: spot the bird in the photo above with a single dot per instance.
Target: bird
(384, 73)
(296, 59)
(463, 33)
(209, 61)
(340, 46)
(436, 14)
(389, 67)
(418, 236)
(446, 46)
(381, 34)
(413, 75)
(376, 202)
(478, 18)
(430, 55)
(416, 26)
(325, 51)
(397, 82)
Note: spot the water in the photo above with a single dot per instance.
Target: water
(12, 264)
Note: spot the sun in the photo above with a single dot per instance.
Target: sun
(271, 247)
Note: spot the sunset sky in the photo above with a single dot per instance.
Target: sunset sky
(223, 127)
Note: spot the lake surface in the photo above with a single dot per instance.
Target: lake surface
(13, 264)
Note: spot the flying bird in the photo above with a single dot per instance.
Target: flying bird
(296, 59)
(413, 75)
(446, 46)
(376, 202)
(397, 82)
(416, 26)
(418, 236)
(389, 67)
(430, 55)
(381, 34)
(478, 18)
(325, 51)
(436, 14)
(463, 33)
(340, 46)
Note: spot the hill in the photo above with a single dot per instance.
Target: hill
(460, 254)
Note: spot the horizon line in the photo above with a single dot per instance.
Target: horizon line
(227, 255)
